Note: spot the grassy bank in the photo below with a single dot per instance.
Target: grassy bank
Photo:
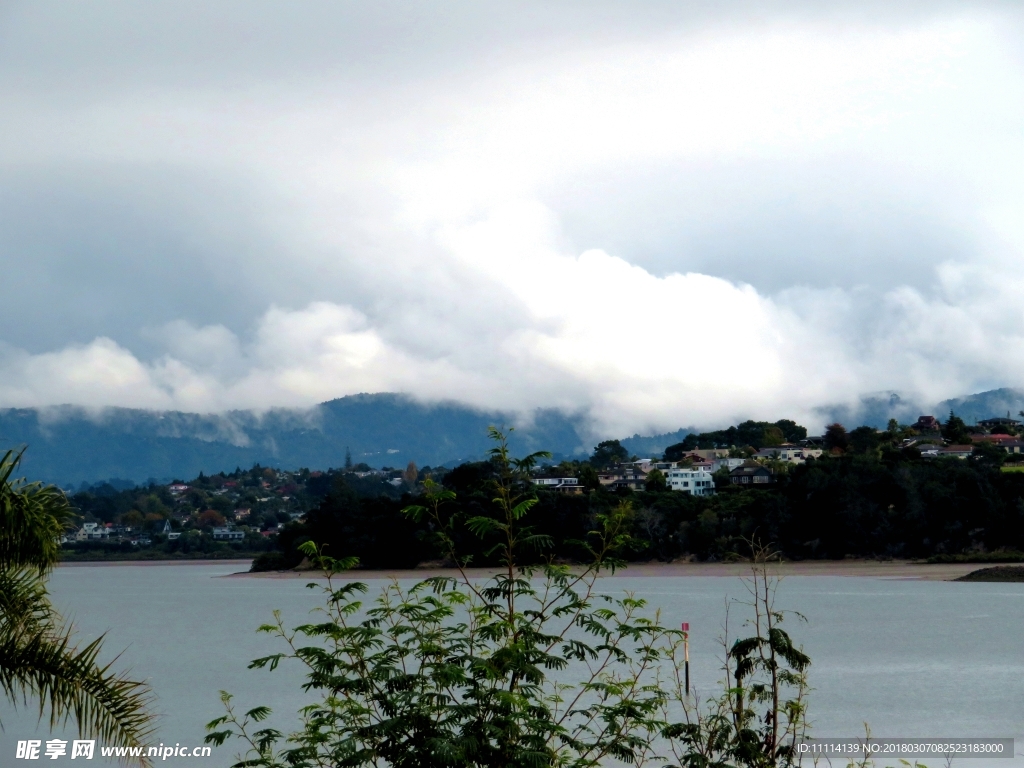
(1004, 573)
(1008, 556)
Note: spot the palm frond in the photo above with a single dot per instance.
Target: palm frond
(39, 660)
(33, 517)
(39, 657)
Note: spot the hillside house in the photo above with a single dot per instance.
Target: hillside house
(996, 439)
(726, 463)
(696, 461)
(548, 482)
(227, 534)
(751, 473)
(644, 465)
(696, 482)
(624, 476)
(710, 454)
(794, 454)
(92, 532)
(999, 422)
(569, 485)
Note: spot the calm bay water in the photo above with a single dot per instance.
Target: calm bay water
(911, 658)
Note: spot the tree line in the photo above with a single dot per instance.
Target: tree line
(868, 496)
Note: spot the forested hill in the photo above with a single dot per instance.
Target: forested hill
(874, 500)
(69, 445)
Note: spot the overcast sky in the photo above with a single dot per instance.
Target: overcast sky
(658, 214)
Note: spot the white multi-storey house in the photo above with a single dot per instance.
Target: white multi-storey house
(694, 481)
(92, 532)
(794, 454)
(227, 534)
(570, 485)
(555, 481)
(726, 463)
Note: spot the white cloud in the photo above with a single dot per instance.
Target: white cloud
(96, 374)
(687, 223)
(639, 351)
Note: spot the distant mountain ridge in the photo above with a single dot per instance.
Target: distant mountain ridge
(984, 405)
(70, 445)
(876, 409)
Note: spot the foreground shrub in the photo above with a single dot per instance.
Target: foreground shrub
(530, 668)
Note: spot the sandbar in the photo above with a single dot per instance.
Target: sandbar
(878, 569)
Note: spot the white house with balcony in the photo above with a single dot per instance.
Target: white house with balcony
(554, 481)
(726, 463)
(794, 454)
(92, 532)
(227, 534)
(694, 481)
(570, 485)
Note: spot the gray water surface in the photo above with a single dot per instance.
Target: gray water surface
(911, 658)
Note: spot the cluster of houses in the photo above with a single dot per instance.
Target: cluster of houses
(693, 474)
(998, 430)
(140, 537)
(120, 533)
(111, 532)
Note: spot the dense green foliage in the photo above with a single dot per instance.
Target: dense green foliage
(871, 501)
(955, 430)
(258, 501)
(755, 434)
(607, 453)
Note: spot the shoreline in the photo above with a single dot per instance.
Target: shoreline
(179, 561)
(900, 570)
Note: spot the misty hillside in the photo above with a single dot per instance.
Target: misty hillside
(875, 410)
(996, 402)
(69, 445)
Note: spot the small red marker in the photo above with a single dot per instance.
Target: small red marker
(686, 652)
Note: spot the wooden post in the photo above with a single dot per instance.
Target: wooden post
(686, 654)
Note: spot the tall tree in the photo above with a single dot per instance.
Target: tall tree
(656, 481)
(773, 435)
(607, 453)
(836, 437)
(864, 440)
(955, 430)
(40, 658)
